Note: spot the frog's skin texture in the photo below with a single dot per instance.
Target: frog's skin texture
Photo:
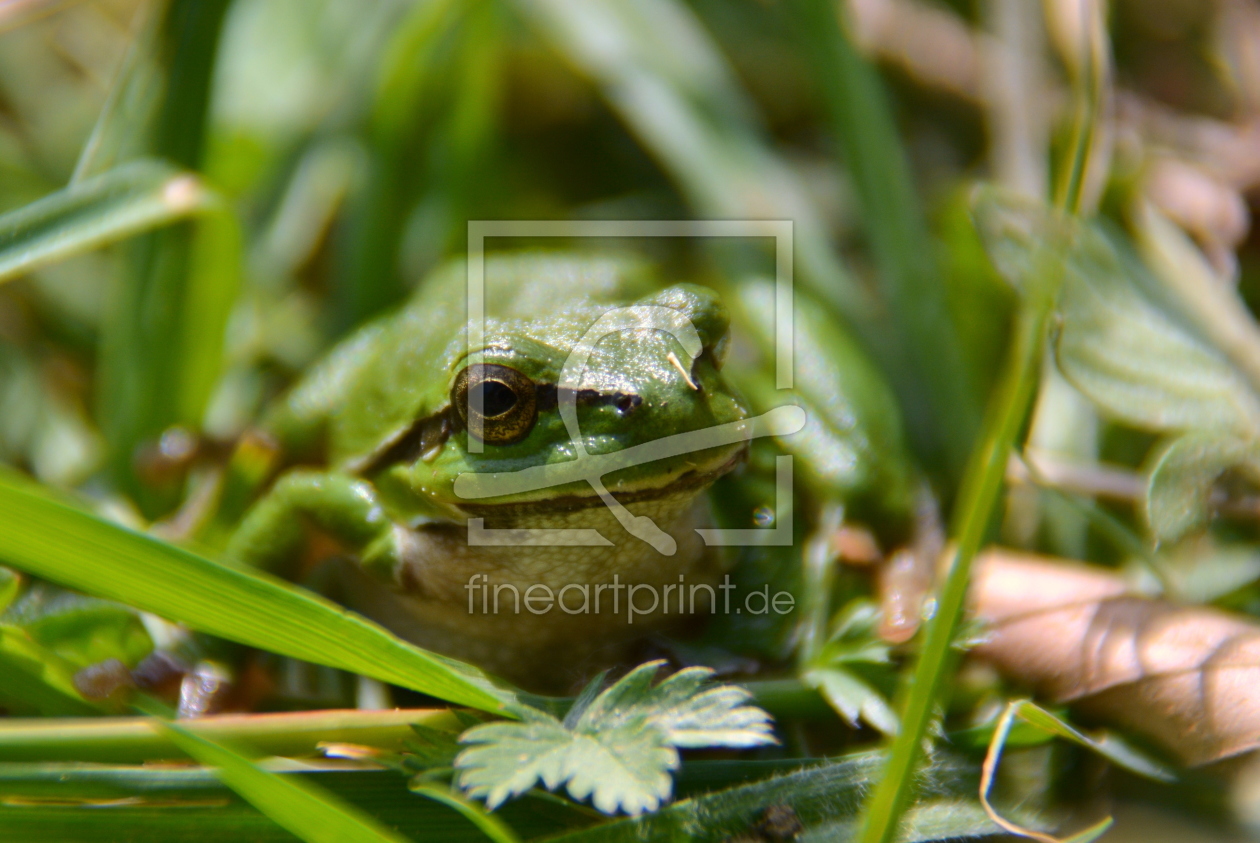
(384, 416)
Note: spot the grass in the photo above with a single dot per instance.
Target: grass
(201, 196)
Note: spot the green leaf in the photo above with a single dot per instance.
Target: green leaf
(1121, 341)
(79, 629)
(135, 197)
(617, 748)
(852, 698)
(690, 714)
(853, 639)
(80, 551)
(1132, 342)
(1108, 746)
(430, 747)
(37, 681)
(1180, 476)
(308, 811)
(621, 768)
(825, 798)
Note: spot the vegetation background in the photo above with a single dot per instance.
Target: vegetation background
(199, 196)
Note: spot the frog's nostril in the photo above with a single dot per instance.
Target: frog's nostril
(626, 404)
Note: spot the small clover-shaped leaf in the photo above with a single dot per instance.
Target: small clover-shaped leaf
(616, 748)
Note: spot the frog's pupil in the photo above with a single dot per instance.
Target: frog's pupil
(497, 398)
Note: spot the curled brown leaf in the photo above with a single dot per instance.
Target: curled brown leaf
(1186, 678)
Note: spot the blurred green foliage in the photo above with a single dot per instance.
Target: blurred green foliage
(202, 195)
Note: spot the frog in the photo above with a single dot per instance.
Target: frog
(384, 433)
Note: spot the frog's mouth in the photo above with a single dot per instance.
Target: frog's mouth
(692, 481)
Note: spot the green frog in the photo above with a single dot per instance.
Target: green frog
(504, 495)
(404, 407)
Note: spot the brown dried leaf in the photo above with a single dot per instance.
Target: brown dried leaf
(1185, 677)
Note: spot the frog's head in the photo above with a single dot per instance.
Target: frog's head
(590, 380)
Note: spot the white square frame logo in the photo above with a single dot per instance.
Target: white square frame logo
(769, 424)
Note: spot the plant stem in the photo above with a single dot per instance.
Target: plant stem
(983, 479)
(976, 502)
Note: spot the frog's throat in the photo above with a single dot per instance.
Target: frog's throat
(692, 481)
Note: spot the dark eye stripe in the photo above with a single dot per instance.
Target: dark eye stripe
(421, 438)
(432, 431)
(549, 398)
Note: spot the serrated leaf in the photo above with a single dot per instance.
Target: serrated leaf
(622, 768)
(689, 716)
(617, 748)
(1180, 477)
(855, 637)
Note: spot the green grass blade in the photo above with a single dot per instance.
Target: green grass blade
(667, 79)
(147, 377)
(825, 798)
(165, 803)
(83, 552)
(135, 197)
(309, 811)
(214, 280)
(409, 103)
(973, 512)
(129, 739)
(492, 826)
(898, 234)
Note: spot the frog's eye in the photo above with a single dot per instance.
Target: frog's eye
(497, 403)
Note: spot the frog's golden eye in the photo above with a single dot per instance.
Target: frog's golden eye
(496, 403)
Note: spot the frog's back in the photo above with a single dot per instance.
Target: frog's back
(403, 371)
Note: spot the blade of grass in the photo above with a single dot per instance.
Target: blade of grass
(825, 798)
(119, 129)
(982, 481)
(165, 803)
(1042, 719)
(489, 824)
(305, 809)
(214, 280)
(145, 373)
(129, 739)
(409, 99)
(973, 512)
(938, 393)
(83, 552)
(668, 81)
(135, 197)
